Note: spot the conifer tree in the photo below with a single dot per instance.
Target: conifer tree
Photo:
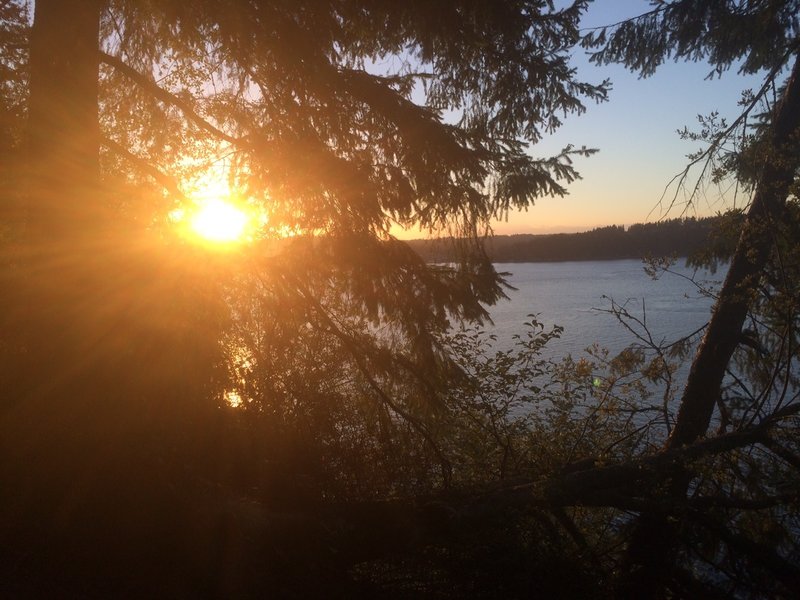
(755, 37)
(340, 121)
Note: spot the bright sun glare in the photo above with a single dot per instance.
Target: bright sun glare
(219, 221)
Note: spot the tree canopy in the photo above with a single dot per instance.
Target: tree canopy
(759, 37)
(296, 415)
(336, 122)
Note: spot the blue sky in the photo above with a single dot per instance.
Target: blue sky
(636, 133)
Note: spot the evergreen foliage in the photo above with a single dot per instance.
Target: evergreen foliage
(306, 416)
(722, 391)
(124, 346)
(753, 35)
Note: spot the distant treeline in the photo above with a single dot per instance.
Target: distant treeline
(679, 237)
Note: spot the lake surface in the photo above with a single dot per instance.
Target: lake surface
(575, 294)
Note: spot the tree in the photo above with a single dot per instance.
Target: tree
(360, 418)
(118, 336)
(761, 36)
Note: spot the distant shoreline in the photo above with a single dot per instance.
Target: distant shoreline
(677, 237)
(577, 260)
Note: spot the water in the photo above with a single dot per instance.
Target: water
(575, 295)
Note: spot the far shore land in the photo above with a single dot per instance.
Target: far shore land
(676, 237)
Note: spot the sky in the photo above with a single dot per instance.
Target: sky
(636, 134)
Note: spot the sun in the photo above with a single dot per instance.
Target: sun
(219, 221)
(216, 214)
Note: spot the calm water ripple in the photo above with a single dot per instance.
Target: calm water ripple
(576, 294)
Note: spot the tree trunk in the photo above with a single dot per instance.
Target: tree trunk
(63, 203)
(747, 265)
(651, 550)
(63, 130)
(44, 330)
(105, 384)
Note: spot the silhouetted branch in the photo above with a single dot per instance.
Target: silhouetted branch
(168, 97)
(584, 486)
(706, 502)
(747, 265)
(761, 554)
(167, 182)
(357, 354)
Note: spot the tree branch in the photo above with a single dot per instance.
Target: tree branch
(169, 98)
(167, 182)
(583, 486)
(765, 556)
(752, 252)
